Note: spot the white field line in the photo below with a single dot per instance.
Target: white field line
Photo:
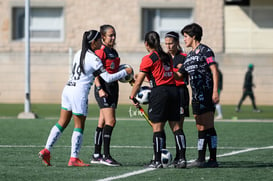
(244, 150)
(151, 169)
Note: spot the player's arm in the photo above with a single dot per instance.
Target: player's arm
(99, 70)
(116, 76)
(137, 84)
(178, 74)
(215, 76)
(102, 93)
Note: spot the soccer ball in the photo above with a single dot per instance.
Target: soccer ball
(128, 77)
(143, 95)
(166, 158)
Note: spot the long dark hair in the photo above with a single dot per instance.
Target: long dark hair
(153, 40)
(87, 39)
(104, 28)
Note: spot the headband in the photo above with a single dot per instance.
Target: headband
(94, 36)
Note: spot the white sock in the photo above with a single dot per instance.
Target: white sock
(76, 142)
(53, 136)
(219, 109)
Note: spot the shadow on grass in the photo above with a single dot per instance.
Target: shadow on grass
(245, 164)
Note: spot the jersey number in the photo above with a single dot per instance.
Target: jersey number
(76, 72)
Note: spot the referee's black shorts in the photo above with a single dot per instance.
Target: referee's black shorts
(112, 89)
(164, 104)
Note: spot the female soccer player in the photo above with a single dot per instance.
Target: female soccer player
(107, 97)
(201, 66)
(157, 66)
(174, 49)
(86, 66)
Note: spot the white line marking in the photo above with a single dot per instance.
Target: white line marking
(243, 151)
(128, 174)
(148, 147)
(151, 169)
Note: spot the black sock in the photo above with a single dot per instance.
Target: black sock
(98, 140)
(107, 132)
(164, 140)
(211, 137)
(201, 145)
(158, 140)
(180, 143)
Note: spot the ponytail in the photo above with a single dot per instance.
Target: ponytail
(88, 38)
(153, 40)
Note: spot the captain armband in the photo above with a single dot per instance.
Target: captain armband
(99, 71)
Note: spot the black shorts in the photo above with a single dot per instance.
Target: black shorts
(164, 104)
(112, 89)
(206, 105)
(184, 100)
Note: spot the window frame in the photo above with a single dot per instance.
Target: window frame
(188, 5)
(13, 29)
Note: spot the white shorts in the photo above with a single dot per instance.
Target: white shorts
(75, 99)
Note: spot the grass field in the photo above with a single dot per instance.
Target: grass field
(245, 147)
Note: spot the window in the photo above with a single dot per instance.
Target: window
(46, 24)
(163, 20)
(237, 2)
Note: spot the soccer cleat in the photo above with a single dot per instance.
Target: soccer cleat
(256, 110)
(109, 161)
(219, 117)
(211, 164)
(197, 163)
(44, 154)
(95, 159)
(180, 163)
(155, 164)
(76, 162)
(237, 109)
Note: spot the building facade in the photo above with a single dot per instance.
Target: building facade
(56, 28)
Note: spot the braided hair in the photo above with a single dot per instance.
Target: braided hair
(153, 40)
(88, 38)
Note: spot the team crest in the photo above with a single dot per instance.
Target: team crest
(166, 67)
(112, 66)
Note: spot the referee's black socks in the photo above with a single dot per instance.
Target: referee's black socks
(98, 140)
(180, 143)
(107, 133)
(158, 141)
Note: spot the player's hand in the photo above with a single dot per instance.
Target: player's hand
(135, 102)
(129, 70)
(102, 93)
(215, 97)
(131, 82)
